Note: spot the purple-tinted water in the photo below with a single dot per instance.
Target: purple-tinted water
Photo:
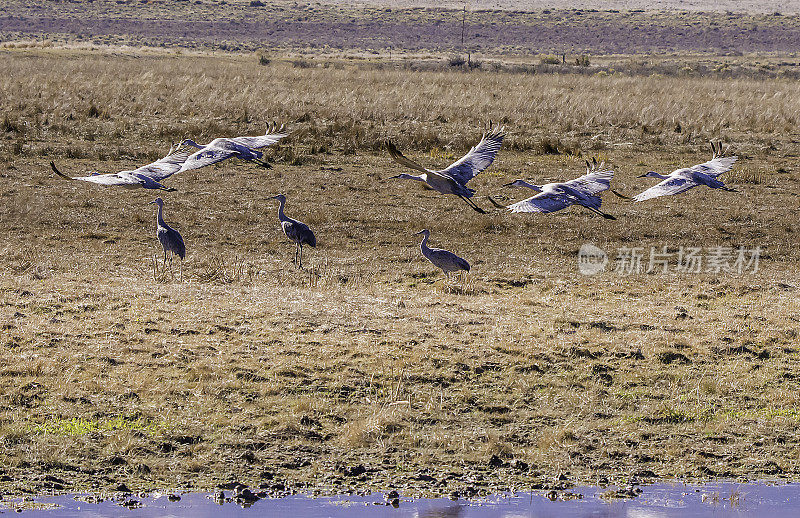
(718, 500)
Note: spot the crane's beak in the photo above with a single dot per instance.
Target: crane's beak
(642, 175)
(395, 176)
(418, 233)
(509, 184)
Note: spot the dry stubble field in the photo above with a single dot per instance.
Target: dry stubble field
(254, 371)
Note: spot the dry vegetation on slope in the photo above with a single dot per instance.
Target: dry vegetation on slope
(236, 25)
(255, 371)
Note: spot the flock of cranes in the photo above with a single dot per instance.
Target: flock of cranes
(184, 158)
(583, 191)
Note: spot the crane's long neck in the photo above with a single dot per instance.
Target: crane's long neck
(418, 177)
(531, 186)
(660, 176)
(281, 215)
(159, 216)
(424, 245)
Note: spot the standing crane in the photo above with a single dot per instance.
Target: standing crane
(296, 231)
(170, 239)
(447, 261)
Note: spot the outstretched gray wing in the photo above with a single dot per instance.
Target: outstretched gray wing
(715, 166)
(272, 136)
(666, 187)
(592, 183)
(106, 180)
(207, 156)
(400, 158)
(167, 166)
(542, 202)
(479, 157)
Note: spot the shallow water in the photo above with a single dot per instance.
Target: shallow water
(719, 500)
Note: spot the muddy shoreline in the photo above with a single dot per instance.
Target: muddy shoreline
(497, 477)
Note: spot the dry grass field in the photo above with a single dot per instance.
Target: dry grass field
(252, 370)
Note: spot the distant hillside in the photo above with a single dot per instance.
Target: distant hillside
(748, 6)
(255, 24)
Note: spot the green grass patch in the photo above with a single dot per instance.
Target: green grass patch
(761, 414)
(78, 426)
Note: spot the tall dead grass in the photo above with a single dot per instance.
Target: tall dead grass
(132, 107)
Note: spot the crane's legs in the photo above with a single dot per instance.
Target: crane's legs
(262, 163)
(298, 255)
(495, 203)
(597, 211)
(472, 204)
(604, 214)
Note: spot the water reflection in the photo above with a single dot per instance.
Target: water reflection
(719, 500)
(451, 511)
